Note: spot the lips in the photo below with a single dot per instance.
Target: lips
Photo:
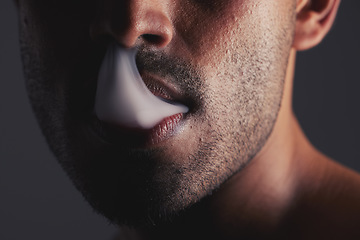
(160, 88)
(138, 138)
(115, 133)
(166, 128)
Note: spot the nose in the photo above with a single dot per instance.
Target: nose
(132, 22)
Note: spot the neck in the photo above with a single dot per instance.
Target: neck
(256, 199)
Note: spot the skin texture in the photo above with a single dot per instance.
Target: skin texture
(238, 164)
(238, 85)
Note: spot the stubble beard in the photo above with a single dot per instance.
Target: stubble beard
(146, 187)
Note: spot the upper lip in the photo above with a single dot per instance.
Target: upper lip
(160, 87)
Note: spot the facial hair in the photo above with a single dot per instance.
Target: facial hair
(149, 186)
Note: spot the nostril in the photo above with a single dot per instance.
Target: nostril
(152, 38)
(140, 23)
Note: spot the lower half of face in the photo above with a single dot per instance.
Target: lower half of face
(234, 87)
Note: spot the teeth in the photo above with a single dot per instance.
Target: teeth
(122, 97)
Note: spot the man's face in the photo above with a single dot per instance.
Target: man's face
(225, 59)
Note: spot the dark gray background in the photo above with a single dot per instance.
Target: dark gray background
(37, 201)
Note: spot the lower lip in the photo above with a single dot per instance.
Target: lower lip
(165, 129)
(115, 134)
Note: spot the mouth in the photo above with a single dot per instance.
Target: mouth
(117, 134)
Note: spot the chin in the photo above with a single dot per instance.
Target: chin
(134, 187)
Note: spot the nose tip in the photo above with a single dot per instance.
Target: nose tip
(139, 22)
(152, 27)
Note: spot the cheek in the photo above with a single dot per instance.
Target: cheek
(58, 30)
(64, 60)
(204, 32)
(243, 54)
(208, 34)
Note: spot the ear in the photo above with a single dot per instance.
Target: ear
(314, 20)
